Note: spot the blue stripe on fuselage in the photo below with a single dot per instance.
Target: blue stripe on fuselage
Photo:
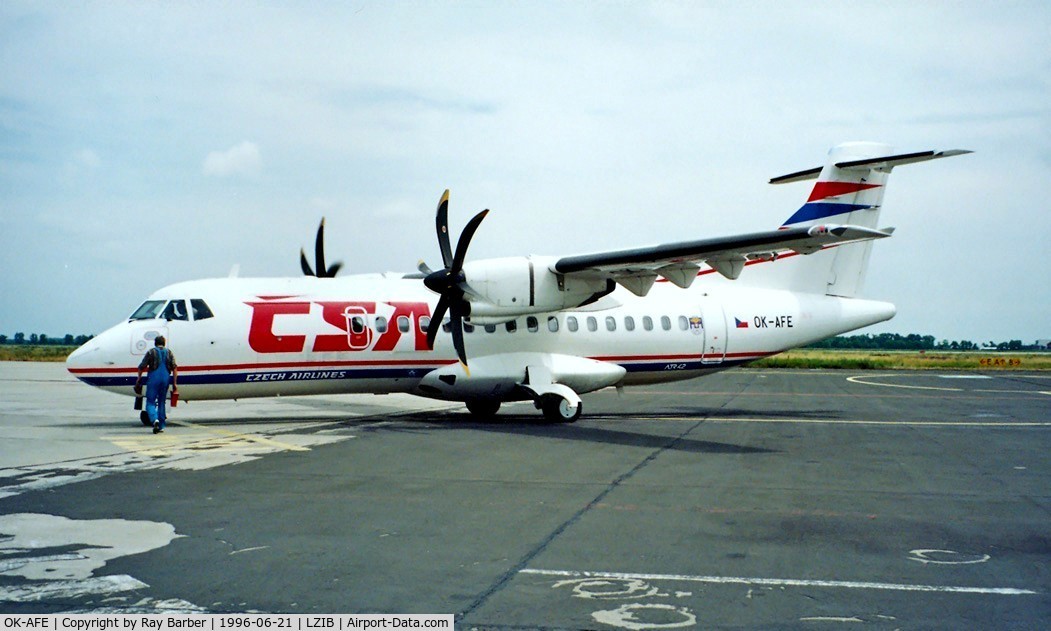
(290, 376)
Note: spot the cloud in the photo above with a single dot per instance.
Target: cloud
(242, 159)
(88, 158)
(584, 127)
(322, 203)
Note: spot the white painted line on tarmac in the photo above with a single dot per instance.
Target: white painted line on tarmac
(946, 557)
(785, 582)
(832, 421)
(861, 379)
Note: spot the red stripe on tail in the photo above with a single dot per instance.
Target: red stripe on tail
(835, 189)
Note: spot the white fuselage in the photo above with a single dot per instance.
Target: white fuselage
(366, 333)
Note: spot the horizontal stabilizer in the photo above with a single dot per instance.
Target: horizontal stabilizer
(889, 162)
(798, 176)
(882, 163)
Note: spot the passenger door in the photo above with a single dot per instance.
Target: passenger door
(714, 320)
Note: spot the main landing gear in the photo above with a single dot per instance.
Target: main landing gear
(556, 409)
(483, 408)
(559, 410)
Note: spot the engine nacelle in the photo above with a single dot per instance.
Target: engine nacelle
(507, 287)
(520, 376)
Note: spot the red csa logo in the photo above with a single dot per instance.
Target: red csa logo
(350, 318)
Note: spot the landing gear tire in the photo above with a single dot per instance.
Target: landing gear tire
(483, 408)
(145, 418)
(557, 410)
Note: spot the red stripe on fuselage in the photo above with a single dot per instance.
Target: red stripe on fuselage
(273, 365)
(391, 363)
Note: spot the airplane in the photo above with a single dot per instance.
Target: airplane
(545, 329)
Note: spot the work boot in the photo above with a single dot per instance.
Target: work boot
(156, 427)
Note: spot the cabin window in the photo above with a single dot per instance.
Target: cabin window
(357, 324)
(490, 328)
(149, 310)
(592, 324)
(552, 324)
(176, 310)
(647, 323)
(532, 324)
(684, 324)
(666, 323)
(425, 321)
(200, 309)
(629, 323)
(381, 324)
(571, 323)
(447, 325)
(468, 328)
(403, 324)
(511, 326)
(611, 323)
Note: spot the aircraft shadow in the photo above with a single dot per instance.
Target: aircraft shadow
(525, 424)
(537, 426)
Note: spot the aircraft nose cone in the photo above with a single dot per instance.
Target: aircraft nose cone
(82, 357)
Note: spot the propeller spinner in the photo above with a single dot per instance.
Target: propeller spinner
(319, 257)
(449, 283)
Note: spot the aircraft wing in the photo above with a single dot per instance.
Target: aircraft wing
(638, 268)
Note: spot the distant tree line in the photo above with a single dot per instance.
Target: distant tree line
(40, 339)
(915, 342)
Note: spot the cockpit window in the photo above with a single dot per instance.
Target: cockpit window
(176, 310)
(200, 309)
(148, 310)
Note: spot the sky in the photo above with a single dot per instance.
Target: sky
(143, 144)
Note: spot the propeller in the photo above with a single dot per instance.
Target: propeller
(449, 283)
(319, 257)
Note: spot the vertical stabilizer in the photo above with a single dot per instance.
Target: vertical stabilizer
(849, 191)
(850, 195)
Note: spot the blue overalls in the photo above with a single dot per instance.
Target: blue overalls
(157, 382)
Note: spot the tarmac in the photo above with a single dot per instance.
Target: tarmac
(776, 499)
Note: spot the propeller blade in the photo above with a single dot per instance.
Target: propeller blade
(435, 324)
(448, 282)
(441, 224)
(319, 249)
(465, 240)
(457, 331)
(323, 271)
(304, 264)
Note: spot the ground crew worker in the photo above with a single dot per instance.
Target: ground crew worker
(160, 362)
